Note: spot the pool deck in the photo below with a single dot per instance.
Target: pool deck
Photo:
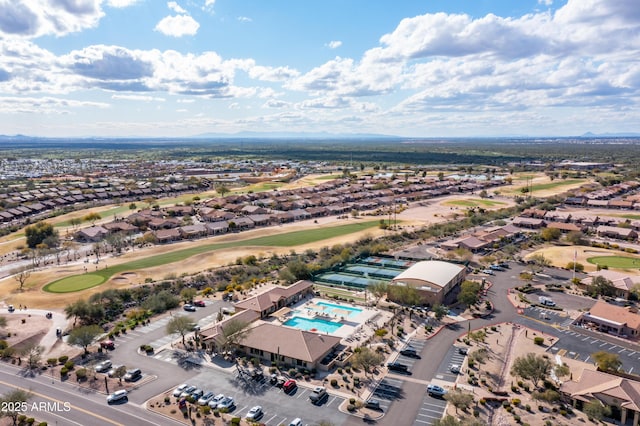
(354, 327)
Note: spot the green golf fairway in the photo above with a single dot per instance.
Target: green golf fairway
(289, 239)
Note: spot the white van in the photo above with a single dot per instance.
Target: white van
(546, 301)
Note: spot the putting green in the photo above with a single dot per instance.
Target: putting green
(290, 239)
(622, 262)
(75, 283)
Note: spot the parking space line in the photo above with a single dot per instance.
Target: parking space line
(603, 343)
(586, 338)
(613, 346)
(622, 350)
(631, 353)
(587, 359)
(331, 402)
(274, 416)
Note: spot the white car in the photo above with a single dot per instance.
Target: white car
(455, 368)
(296, 422)
(216, 400)
(117, 396)
(178, 391)
(255, 413)
(227, 403)
(204, 399)
(103, 366)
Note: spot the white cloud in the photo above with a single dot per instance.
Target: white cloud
(276, 103)
(334, 44)
(121, 3)
(244, 19)
(140, 98)
(176, 8)
(545, 2)
(177, 26)
(36, 18)
(263, 73)
(44, 105)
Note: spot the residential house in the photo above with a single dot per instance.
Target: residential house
(611, 319)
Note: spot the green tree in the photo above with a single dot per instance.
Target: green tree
(83, 336)
(607, 361)
(440, 311)
(550, 234)
(378, 289)
(469, 292)
(181, 325)
(11, 403)
(600, 286)
(579, 266)
(222, 190)
(38, 233)
(92, 217)
(187, 294)
(404, 295)
(595, 409)
(448, 420)
(233, 333)
(531, 367)
(366, 359)
(576, 238)
(459, 399)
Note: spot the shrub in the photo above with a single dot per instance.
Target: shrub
(520, 383)
(3, 344)
(563, 412)
(483, 401)
(516, 418)
(506, 403)
(69, 365)
(63, 359)
(527, 407)
(352, 401)
(81, 373)
(167, 399)
(515, 401)
(235, 421)
(351, 407)
(538, 340)
(334, 383)
(42, 424)
(52, 361)
(476, 413)
(64, 371)
(509, 409)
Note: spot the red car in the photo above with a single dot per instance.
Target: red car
(108, 344)
(199, 303)
(289, 385)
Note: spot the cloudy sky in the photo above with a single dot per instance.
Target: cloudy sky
(410, 68)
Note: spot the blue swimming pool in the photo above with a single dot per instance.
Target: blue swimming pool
(334, 309)
(313, 324)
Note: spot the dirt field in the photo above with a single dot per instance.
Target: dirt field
(561, 256)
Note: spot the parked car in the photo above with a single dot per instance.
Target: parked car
(255, 413)
(273, 379)
(103, 366)
(199, 303)
(496, 268)
(435, 390)
(189, 307)
(196, 394)
(178, 391)
(227, 403)
(463, 350)
(216, 400)
(117, 396)
(373, 404)
(396, 366)
(11, 308)
(410, 352)
(296, 422)
(204, 399)
(107, 344)
(488, 272)
(289, 385)
(132, 375)
(113, 371)
(188, 391)
(455, 368)
(318, 395)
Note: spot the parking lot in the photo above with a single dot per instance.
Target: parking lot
(431, 409)
(453, 357)
(278, 406)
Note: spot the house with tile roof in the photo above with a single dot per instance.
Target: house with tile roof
(620, 393)
(615, 320)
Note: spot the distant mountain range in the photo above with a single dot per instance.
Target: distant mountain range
(610, 135)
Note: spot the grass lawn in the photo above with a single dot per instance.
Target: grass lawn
(289, 239)
(622, 262)
(474, 203)
(332, 291)
(556, 184)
